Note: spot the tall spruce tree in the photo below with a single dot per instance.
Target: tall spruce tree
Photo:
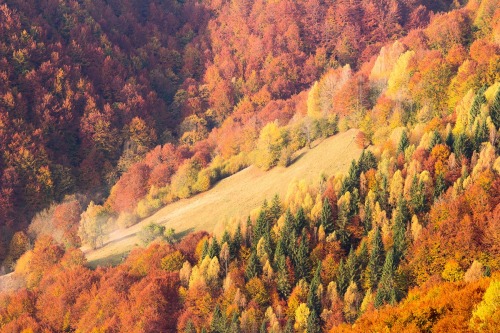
(313, 323)
(342, 232)
(300, 220)
(234, 327)
(214, 249)
(236, 242)
(313, 300)
(352, 267)
(462, 146)
(495, 110)
(386, 292)
(367, 219)
(376, 258)
(276, 209)
(404, 142)
(399, 230)
(342, 278)
(302, 265)
(327, 217)
(440, 185)
(253, 268)
(367, 161)
(218, 323)
(435, 139)
(479, 100)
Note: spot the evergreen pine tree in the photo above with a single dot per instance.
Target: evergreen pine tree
(367, 161)
(268, 244)
(287, 232)
(435, 139)
(363, 257)
(214, 249)
(260, 226)
(218, 323)
(352, 267)
(313, 323)
(342, 278)
(399, 230)
(462, 146)
(481, 134)
(282, 282)
(236, 242)
(249, 232)
(352, 180)
(204, 251)
(327, 216)
(376, 258)
(302, 257)
(234, 327)
(226, 238)
(404, 142)
(386, 292)
(275, 209)
(495, 110)
(382, 192)
(367, 220)
(342, 232)
(440, 185)
(300, 220)
(253, 268)
(417, 195)
(313, 300)
(479, 100)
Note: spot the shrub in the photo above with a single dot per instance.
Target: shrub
(151, 232)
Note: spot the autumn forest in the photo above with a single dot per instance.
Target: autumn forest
(111, 110)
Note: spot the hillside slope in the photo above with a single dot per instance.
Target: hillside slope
(235, 196)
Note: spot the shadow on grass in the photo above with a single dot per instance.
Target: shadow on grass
(119, 257)
(180, 235)
(109, 261)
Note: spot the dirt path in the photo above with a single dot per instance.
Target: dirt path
(235, 196)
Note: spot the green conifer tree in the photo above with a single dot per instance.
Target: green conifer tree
(435, 140)
(386, 292)
(313, 323)
(236, 242)
(440, 185)
(300, 220)
(276, 209)
(327, 217)
(479, 100)
(214, 249)
(204, 251)
(495, 110)
(376, 258)
(302, 265)
(234, 327)
(313, 300)
(342, 278)
(253, 268)
(367, 220)
(404, 142)
(218, 323)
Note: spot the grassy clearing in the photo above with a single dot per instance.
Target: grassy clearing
(233, 198)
